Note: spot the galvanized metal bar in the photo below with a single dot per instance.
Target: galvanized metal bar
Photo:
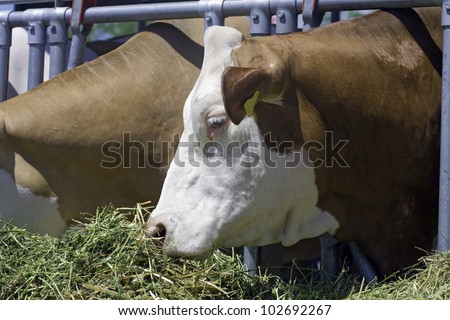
(362, 263)
(329, 258)
(57, 38)
(24, 1)
(78, 44)
(335, 16)
(37, 38)
(250, 260)
(444, 178)
(5, 45)
(143, 12)
(196, 9)
(343, 5)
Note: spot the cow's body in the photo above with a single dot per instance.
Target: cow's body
(18, 62)
(52, 139)
(373, 82)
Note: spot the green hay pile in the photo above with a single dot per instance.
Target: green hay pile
(109, 257)
(429, 279)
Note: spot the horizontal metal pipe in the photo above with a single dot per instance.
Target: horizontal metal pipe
(196, 9)
(331, 5)
(24, 1)
(157, 11)
(324, 3)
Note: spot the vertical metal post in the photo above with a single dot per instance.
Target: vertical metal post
(78, 44)
(260, 24)
(335, 16)
(444, 178)
(57, 38)
(59, 3)
(37, 37)
(5, 44)
(362, 263)
(329, 258)
(250, 260)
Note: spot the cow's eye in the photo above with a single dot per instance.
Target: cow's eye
(217, 121)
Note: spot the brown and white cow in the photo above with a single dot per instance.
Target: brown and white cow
(99, 133)
(291, 136)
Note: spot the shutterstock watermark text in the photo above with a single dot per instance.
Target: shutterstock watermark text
(129, 153)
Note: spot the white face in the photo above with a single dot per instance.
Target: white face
(221, 190)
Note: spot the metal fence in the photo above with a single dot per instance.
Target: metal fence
(51, 25)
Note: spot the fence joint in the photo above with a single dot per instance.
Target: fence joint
(286, 15)
(213, 13)
(260, 18)
(311, 18)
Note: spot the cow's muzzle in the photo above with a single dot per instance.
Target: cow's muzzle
(157, 230)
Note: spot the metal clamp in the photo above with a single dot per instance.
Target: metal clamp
(446, 14)
(286, 16)
(57, 38)
(5, 30)
(213, 13)
(311, 18)
(57, 26)
(260, 19)
(36, 27)
(37, 38)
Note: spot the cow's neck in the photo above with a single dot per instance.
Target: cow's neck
(363, 82)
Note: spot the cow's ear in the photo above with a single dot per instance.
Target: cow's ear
(240, 85)
(274, 101)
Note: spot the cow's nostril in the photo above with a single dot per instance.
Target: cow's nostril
(156, 231)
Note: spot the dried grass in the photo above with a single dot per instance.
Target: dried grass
(109, 257)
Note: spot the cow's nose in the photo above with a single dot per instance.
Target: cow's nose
(156, 230)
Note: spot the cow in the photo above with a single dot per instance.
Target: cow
(77, 141)
(331, 131)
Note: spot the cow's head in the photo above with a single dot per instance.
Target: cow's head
(239, 176)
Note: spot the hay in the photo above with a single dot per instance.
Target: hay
(109, 257)
(428, 280)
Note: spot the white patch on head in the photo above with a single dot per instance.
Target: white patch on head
(22, 208)
(210, 200)
(219, 43)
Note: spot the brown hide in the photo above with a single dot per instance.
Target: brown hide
(369, 82)
(51, 138)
